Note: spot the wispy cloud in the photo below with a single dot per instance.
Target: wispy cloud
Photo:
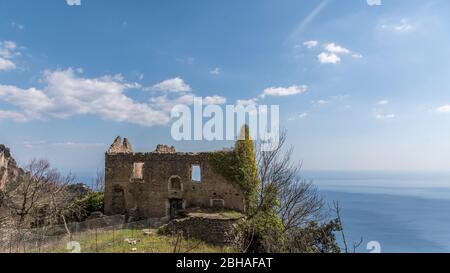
(215, 71)
(321, 102)
(73, 2)
(311, 44)
(308, 19)
(384, 116)
(443, 109)
(333, 53)
(17, 25)
(336, 49)
(8, 52)
(176, 84)
(328, 58)
(284, 91)
(298, 117)
(403, 26)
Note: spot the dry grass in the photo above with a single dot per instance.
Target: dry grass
(135, 241)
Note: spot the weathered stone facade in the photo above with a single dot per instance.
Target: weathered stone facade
(157, 184)
(212, 230)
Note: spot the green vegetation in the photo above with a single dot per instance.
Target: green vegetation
(239, 166)
(92, 202)
(283, 212)
(214, 214)
(136, 241)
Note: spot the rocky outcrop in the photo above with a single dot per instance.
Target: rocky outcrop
(119, 147)
(9, 171)
(164, 149)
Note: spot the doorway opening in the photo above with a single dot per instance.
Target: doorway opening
(175, 206)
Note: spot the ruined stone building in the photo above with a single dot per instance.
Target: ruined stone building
(160, 183)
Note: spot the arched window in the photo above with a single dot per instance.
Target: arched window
(175, 183)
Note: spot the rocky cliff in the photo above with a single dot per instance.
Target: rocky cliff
(9, 170)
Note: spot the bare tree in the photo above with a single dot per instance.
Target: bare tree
(298, 200)
(284, 195)
(98, 183)
(30, 191)
(355, 245)
(39, 196)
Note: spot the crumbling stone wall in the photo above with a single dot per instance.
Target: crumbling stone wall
(211, 230)
(166, 175)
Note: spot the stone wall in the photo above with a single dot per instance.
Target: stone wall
(211, 230)
(166, 175)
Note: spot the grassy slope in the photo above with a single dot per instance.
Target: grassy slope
(115, 242)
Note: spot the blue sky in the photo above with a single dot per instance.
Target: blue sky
(360, 87)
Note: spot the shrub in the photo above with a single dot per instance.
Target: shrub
(92, 202)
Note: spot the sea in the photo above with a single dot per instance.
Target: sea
(391, 212)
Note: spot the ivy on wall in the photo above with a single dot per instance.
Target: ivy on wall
(239, 166)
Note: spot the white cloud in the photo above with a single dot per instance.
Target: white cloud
(16, 116)
(374, 2)
(284, 91)
(8, 51)
(332, 53)
(66, 94)
(6, 64)
(383, 102)
(166, 103)
(172, 85)
(301, 116)
(384, 116)
(214, 100)
(328, 58)
(246, 102)
(381, 114)
(403, 26)
(336, 49)
(322, 102)
(311, 44)
(215, 71)
(443, 109)
(17, 25)
(73, 2)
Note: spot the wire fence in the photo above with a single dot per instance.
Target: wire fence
(105, 234)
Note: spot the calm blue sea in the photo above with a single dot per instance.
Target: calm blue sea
(403, 212)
